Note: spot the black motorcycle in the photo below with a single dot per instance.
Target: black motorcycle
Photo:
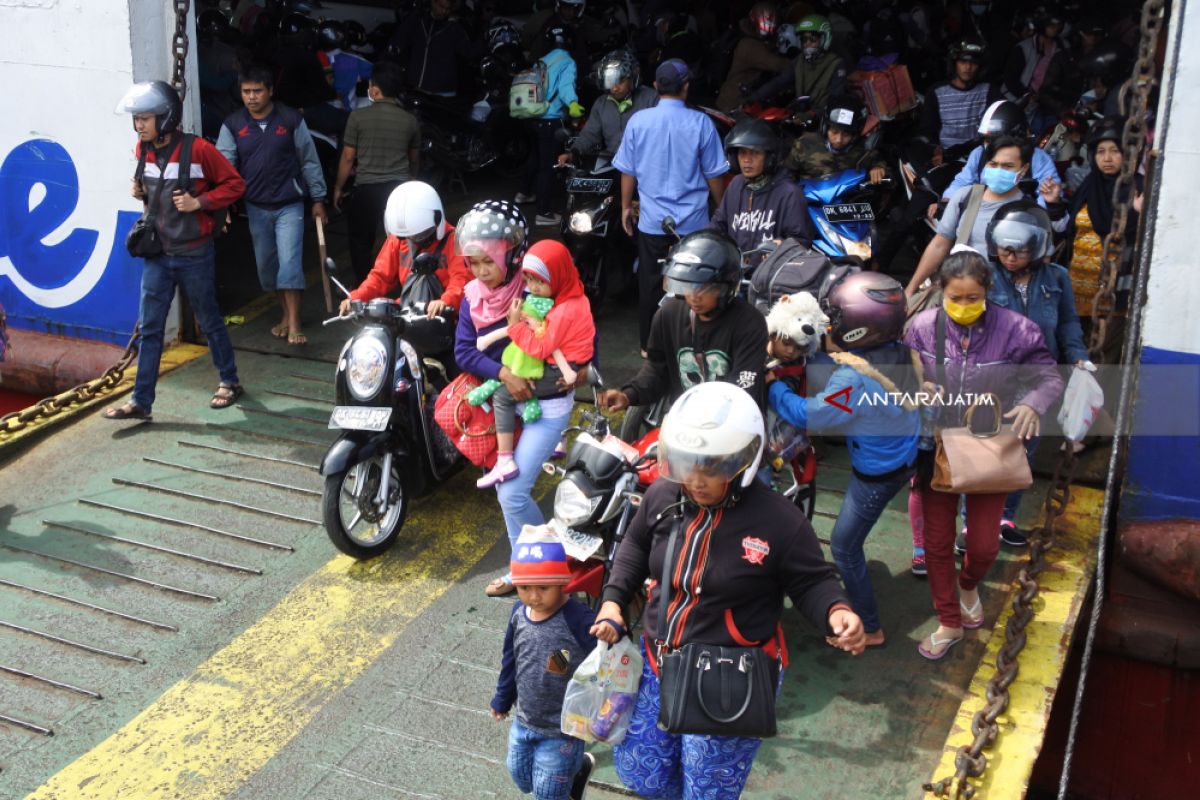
(389, 449)
(454, 140)
(591, 228)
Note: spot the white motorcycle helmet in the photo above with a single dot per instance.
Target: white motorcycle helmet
(414, 208)
(715, 428)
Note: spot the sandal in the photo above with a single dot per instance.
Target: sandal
(296, 337)
(130, 410)
(972, 617)
(280, 331)
(935, 648)
(499, 588)
(225, 395)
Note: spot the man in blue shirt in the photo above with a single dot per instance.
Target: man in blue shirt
(673, 157)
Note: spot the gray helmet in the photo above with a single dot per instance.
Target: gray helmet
(154, 97)
(865, 309)
(496, 229)
(704, 258)
(1021, 225)
(616, 67)
(753, 134)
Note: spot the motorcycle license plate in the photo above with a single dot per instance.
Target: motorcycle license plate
(360, 418)
(590, 185)
(849, 212)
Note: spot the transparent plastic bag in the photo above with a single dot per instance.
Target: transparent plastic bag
(1081, 401)
(600, 696)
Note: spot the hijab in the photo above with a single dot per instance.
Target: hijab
(550, 261)
(1096, 192)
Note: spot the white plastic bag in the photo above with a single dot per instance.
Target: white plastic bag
(600, 696)
(1082, 400)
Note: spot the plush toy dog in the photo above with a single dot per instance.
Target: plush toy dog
(798, 318)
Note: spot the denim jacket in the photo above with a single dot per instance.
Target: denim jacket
(1050, 304)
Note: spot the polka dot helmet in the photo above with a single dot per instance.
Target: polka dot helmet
(496, 229)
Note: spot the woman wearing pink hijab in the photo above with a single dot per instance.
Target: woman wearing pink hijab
(493, 237)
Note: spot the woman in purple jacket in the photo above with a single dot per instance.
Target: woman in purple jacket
(987, 350)
(493, 236)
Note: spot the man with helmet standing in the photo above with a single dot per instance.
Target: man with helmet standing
(749, 546)
(817, 73)
(182, 210)
(431, 45)
(620, 77)
(762, 203)
(415, 224)
(954, 108)
(867, 313)
(1036, 70)
(704, 333)
(586, 31)
(838, 147)
(271, 146)
(1002, 118)
(671, 155)
(754, 57)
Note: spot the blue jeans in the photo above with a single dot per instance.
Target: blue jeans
(541, 765)
(278, 235)
(1013, 501)
(194, 273)
(864, 504)
(516, 495)
(654, 763)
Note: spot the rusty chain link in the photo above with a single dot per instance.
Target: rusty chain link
(19, 420)
(970, 760)
(179, 48)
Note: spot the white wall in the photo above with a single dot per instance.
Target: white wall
(1173, 290)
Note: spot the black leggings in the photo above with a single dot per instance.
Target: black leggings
(506, 406)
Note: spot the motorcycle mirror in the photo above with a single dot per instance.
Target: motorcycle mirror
(330, 266)
(594, 378)
(668, 226)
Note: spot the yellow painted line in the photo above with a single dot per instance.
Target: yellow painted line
(1063, 589)
(209, 733)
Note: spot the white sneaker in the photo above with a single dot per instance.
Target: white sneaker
(525, 198)
(544, 220)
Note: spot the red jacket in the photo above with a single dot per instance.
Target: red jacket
(569, 326)
(214, 182)
(392, 267)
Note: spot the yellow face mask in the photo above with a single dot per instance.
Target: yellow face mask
(964, 314)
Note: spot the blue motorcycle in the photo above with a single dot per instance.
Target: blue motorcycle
(843, 208)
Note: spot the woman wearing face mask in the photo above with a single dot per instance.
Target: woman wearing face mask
(988, 349)
(1006, 162)
(1088, 220)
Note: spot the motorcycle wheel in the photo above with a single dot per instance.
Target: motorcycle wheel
(357, 532)
(634, 425)
(513, 150)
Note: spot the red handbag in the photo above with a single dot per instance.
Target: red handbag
(472, 429)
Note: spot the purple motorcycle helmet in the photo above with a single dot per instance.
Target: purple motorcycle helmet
(865, 309)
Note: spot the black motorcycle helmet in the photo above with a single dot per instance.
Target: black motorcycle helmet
(558, 36)
(846, 112)
(1021, 225)
(969, 49)
(212, 25)
(295, 24)
(704, 258)
(331, 35)
(1003, 118)
(1112, 128)
(154, 97)
(1110, 62)
(753, 134)
(356, 33)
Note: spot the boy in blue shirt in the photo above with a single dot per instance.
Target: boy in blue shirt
(546, 641)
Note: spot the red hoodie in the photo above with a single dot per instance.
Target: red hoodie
(569, 325)
(214, 182)
(392, 267)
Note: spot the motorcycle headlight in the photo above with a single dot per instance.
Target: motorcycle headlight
(572, 506)
(580, 222)
(367, 367)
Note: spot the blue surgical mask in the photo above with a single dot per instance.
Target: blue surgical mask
(1000, 181)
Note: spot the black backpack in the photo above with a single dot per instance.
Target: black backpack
(793, 267)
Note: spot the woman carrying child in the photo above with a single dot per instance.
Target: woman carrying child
(866, 312)
(492, 235)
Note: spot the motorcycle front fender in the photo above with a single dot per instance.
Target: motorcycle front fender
(354, 447)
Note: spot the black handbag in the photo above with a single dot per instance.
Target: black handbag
(711, 689)
(143, 240)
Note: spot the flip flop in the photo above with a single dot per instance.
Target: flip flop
(933, 641)
(225, 395)
(296, 337)
(972, 617)
(280, 331)
(127, 411)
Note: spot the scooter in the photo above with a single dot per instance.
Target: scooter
(843, 208)
(591, 228)
(389, 448)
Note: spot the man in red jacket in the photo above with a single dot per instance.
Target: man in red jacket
(414, 221)
(180, 209)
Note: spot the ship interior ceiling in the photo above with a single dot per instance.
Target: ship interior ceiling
(175, 622)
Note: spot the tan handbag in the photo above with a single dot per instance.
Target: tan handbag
(992, 462)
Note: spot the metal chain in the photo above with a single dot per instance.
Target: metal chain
(179, 48)
(970, 760)
(19, 420)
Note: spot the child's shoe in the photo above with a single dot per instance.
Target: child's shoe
(506, 469)
(532, 411)
(479, 395)
(560, 450)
